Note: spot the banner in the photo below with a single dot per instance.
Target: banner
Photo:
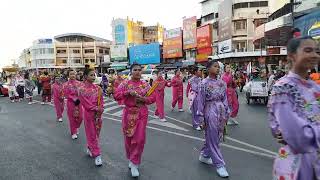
(145, 54)
(204, 43)
(119, 31)
(118, 52)
(172, 44)
(225, 46)
(309, 24)
(225, 20)
(190, 33)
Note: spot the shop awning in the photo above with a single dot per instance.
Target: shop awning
(119, 66)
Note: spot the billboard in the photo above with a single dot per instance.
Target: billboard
(118, 52)
(172, 44)
(225, 46)
(309, 24)
(145, 54)
(204, 41)
(225, 22)
(119, 31)
(190, 33)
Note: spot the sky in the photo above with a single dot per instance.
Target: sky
(23, 21)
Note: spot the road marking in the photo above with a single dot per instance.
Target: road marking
(227, 137)
(167, 124)
(110, 103)
(112, 108)
(201, 139)
(119, 113)
(175, 119)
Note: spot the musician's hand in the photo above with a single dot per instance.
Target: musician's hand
(140, 99)
(133, 93)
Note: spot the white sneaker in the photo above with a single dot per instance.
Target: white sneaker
(222, 172)
(163, 120)
(29, 103)
(74, 136)
(60, 119)
(198, 128)
(42, 103)
(98, 161)
(205, 160)
(130, 164)
(12, 101)
(181, 110)
(230, 122)
(89, 152)
(235, 121)
(134, 171)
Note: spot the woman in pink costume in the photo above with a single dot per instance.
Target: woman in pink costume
(116, 84)
(177, 91)
(74, 107)
(161, 84)
(58, 97)
(91, 98)
(231, 95)
(136, 96)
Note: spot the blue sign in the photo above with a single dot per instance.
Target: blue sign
(145, 54)
(44, 41)
(306, 24)
(119, 34)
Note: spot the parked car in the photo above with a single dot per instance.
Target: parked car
(149, 75)
(257, 90)
(4, 89)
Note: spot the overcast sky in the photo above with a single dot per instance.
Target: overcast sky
(23, 21)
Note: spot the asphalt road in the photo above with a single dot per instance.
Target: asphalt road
(34, 146)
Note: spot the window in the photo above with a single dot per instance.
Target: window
(89, 51)
(64, 61)
(92, 60)
(241, 46)
(101, 51)
(76, 61)
(259, 22)
(61, 51)
(86, 61)
(50, 51)
(240, 25)
(106, 51)
(76, 51)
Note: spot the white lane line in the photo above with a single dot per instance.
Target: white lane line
(201, 139)
(175, 119)
(168, 124)
(110, 103)
(119, 113)
(108, 109)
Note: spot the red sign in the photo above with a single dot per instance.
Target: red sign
(204, 41)
(273, 51)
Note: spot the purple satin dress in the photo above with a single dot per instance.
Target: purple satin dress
(213, 106)
(294, 111)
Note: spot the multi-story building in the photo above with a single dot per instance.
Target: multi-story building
(42, 54)
(153, 34)
(75, 50)
(24, 60)
(236, 24)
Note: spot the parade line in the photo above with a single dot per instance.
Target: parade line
(265, 153)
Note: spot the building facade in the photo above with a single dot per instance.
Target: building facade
(24, 60)
(152, 34)
(42, 54)
(76, 50)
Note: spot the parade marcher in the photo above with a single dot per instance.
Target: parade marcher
(45, 81)
(58, 97)
(111, 80)
(231, 95)
(161, 84)
(104, 84)
(116, 84)
(12, 91)
(177, 91)
(20, 83)
(213, 107)
(136, 94)
(192, 92)
(74, 106)
(29, 87)
(294, 114)
(91, 98)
